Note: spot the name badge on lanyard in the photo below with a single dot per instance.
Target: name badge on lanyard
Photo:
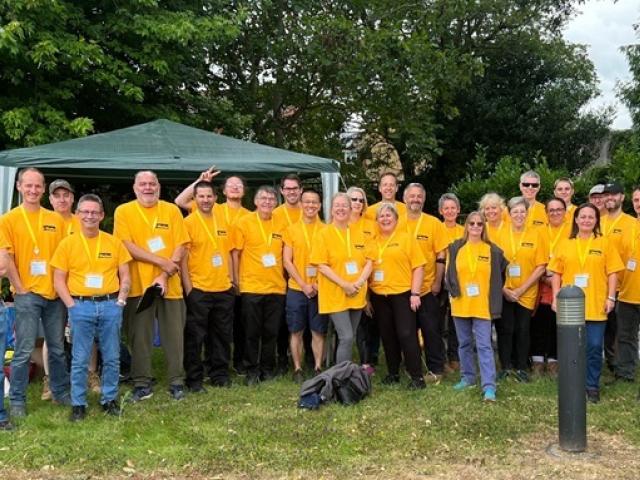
(216, 260)
(581, 280)
(631, 265)
(268, 260)
(378, 276)
(311, 271)
(514, 270)
(351, 268)
(93, 280)
(473, 290)
(38, 268)
(155, 244)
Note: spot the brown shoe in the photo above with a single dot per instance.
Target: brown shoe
(552, 369)
(537, 369)
(94, 382)
(46, 393)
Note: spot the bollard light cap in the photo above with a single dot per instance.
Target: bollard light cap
(569, 292)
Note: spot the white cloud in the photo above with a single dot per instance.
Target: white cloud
(604, 26)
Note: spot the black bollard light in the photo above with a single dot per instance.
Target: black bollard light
(572, 403)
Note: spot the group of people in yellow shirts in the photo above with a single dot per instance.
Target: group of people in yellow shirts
(226, 282)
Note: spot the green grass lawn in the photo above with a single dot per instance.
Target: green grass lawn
(259, 431)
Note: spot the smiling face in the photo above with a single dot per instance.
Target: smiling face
(518, 215)
(291, 191)
(205, 199)
(474, 226)
(388, 188)
(414, 197)
(61, 201)
(492, 212)
(265, 202)
(357, 203)
(555, 213)
(450, 211)
(91, 214)
(341, 209)
(387, 220)
(586, 220)
(613, 201)
(233, 189)
(147, 188)
(564, 190)
(530, 186)
(31, 187)
(310, 205)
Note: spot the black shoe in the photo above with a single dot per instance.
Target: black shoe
(417, 384)
(266, 376)
(196, 388)
(503, 374)
(391, 379)
(78, 412)
(141, 393)
(240, 369)
(252, 380)
(593, 396)
(224, 382)
(6, 426)
(619, 379)
(176, 392)
(112, 408)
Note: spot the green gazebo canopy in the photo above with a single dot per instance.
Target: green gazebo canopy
(174, 150)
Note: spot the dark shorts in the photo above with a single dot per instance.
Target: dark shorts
(302, 312)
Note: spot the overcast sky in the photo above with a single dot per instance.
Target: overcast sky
(604, 26)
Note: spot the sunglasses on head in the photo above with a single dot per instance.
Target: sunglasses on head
(530, 185)
(354, 199)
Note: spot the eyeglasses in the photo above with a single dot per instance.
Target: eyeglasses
(90, 213)
(355, 199)
(530, 185)
(476, 224)
(556, 210)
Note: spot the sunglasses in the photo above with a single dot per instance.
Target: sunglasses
(476, 224)
(530, 185)
(361, 200)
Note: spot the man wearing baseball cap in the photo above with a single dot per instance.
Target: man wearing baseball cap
(61, 195)
(596, 197)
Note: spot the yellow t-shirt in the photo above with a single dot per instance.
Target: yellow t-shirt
(555, 235)
(616, 229)
(300, 237)
(536, 215)
(568, 216)
(72, 225)
(600, 260)
(159, 230)
(341, 250)
(92, 266)
(209, 259)
(227, 215)
(285, 216)
(453, 233)
(630, 253)
(368, 227)
(261, 269)
(473, 265)
(432, 238)
(493, 233)
(397, 257)
(34, 268)
(524, 251)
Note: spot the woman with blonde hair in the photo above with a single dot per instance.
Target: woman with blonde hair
(492, 207)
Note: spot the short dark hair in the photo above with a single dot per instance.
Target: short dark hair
(204, 184)
(291, 176)
(574, 225)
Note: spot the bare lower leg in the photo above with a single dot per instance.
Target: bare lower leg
(295, 343)
(317, 345)
(45, 358)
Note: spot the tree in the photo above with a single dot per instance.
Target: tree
(70, 68)
(630, 91)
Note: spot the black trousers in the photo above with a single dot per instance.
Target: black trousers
(610, 334)
(261, 318)
(448, 327)
(238, 334)
(513, 336)
(397, 326)
(429, 320)
(544, 336)
(210, 320)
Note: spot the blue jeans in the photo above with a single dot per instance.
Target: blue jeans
(595, 347)
(89, 320)
(468, 330)
(3, 344)
(30, 310)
